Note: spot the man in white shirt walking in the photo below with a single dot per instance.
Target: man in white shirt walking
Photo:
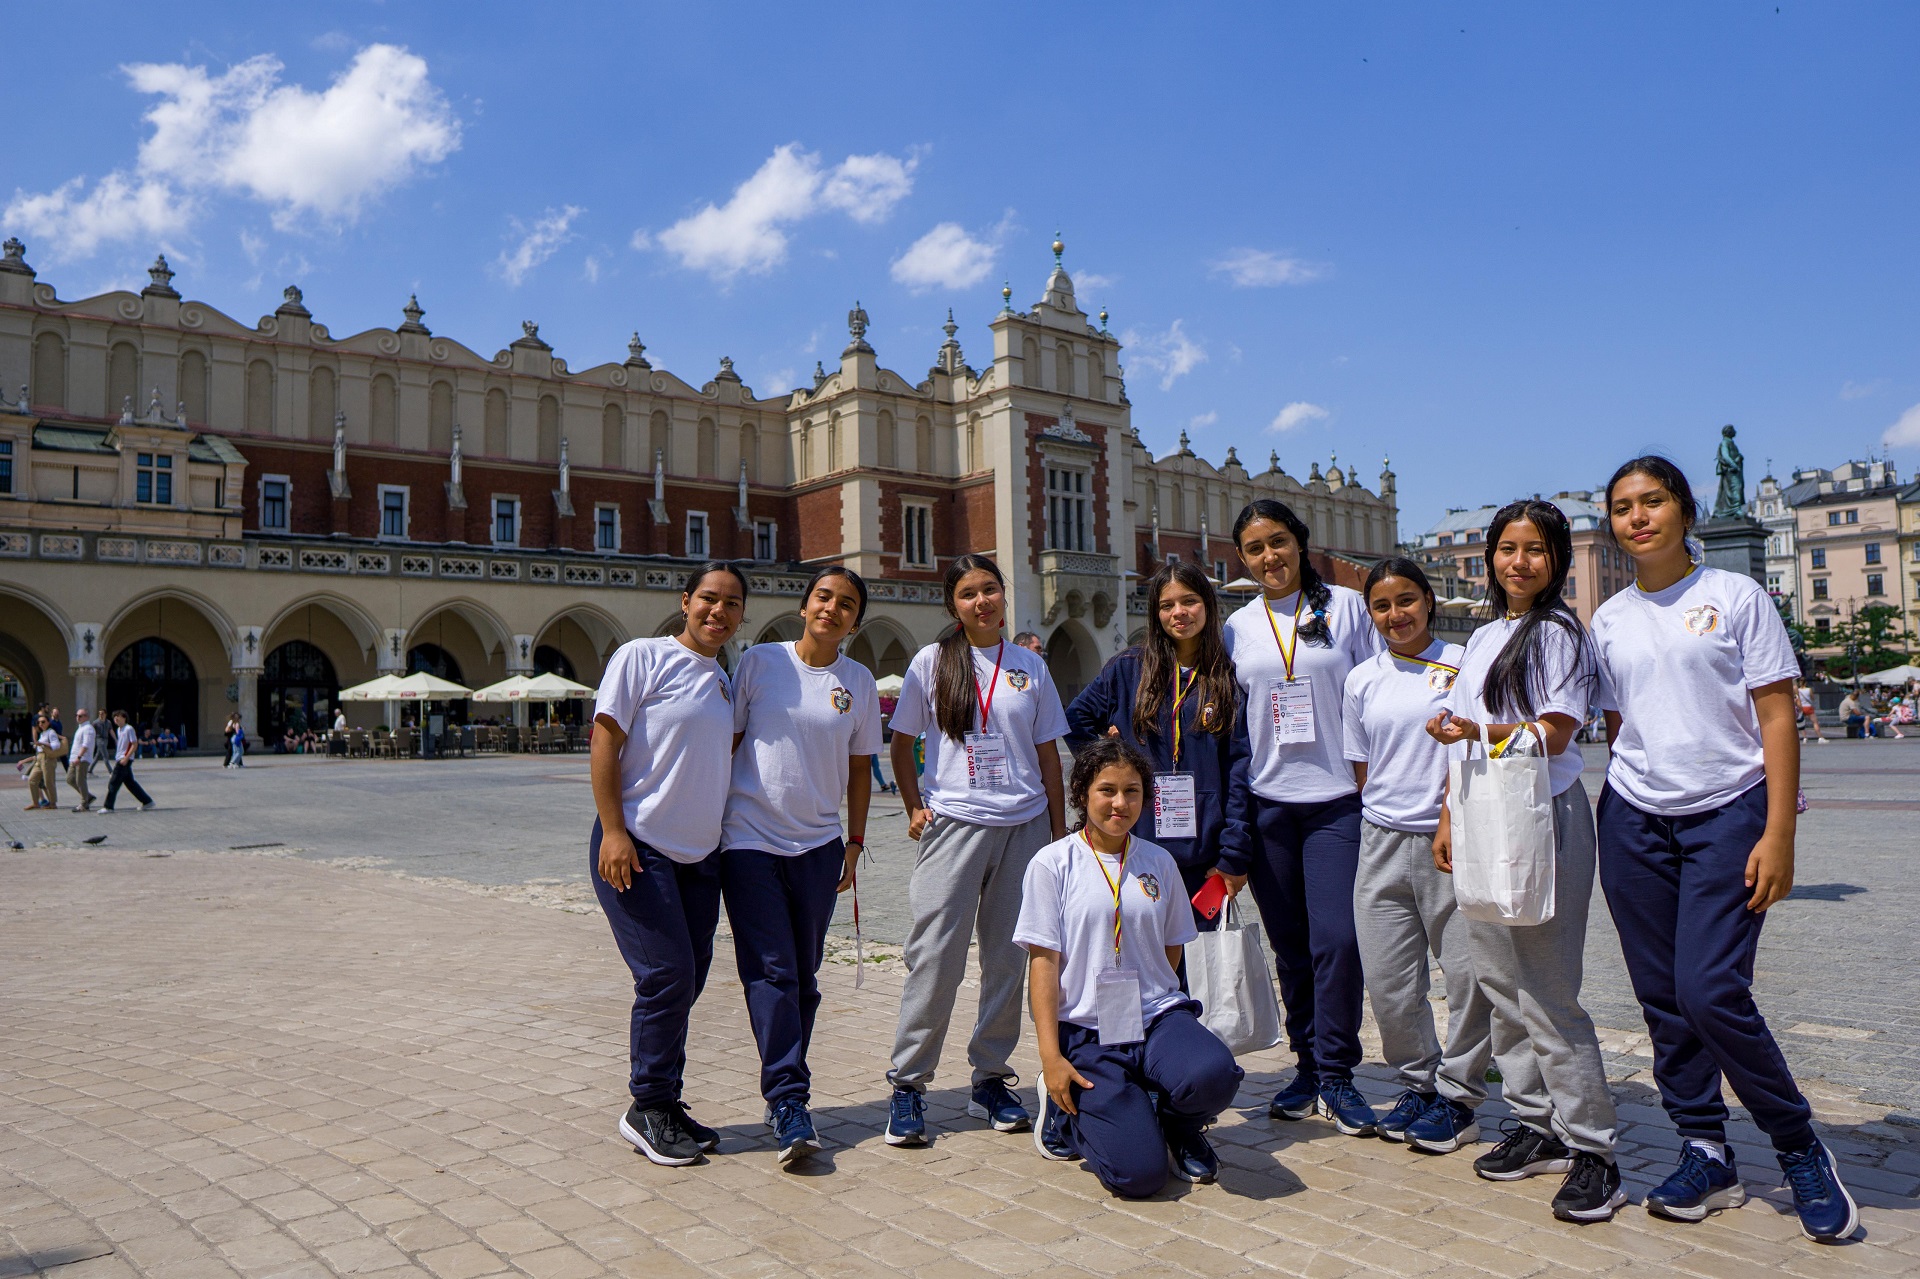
(126, 742)
(80, 759)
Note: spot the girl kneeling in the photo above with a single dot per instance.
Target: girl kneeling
(1132, 1079)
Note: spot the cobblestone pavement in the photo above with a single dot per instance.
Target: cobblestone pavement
(217, 1064)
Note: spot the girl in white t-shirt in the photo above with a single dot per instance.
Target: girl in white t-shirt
(1696, 842)
(1531, 670)
(806, 724)
(1292, 650)
(664, 720)
(992, 798)
(1403, 906)
(1104, 917)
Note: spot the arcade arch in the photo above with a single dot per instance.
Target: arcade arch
(185, 681)
(882, 646)
(1073, 659)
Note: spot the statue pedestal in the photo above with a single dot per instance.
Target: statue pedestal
(1737, 544)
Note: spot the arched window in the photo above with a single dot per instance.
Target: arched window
(706, 447)
(298, 691)
(750, 451)
(1063, 368)
(260, 397)
(193, 386)
(50, 372)
(833, 445)
(613, 437)
(322, 403)
(498, 441)
(662, 439)
(976, 445)
(806, 450)
(155, 684)
(440, 418)
(923, 446)
(549, 433)
(884, 442)
(123, 379)
(1029, 362)
(548, 660)
(435, 661)
(1096, 376)
(383, 411)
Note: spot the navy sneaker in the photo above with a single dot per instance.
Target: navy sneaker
(1827, 1211)
(907, 1118)
(1394, 1124)
(793, 1130)
(1190, 1155)
(994, 1102)
(1050, 1134)
(1700, 1185)
(703, 1136)
(1443, 1128)
(1297, 1099)
(1341, 1102)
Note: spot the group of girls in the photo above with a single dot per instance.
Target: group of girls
(1299, 747)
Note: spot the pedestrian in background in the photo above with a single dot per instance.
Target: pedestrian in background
(43, 787)
(80, 759)
(126, 744)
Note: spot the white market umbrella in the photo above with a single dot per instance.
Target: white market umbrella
(384, 689)
(889, 685)
(1892, 678)
(511, 689)
(556, 688)
(1241, 584)
(422, 687)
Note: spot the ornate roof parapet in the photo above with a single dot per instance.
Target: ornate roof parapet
(413, 312)
(161, 277)
(950, 361)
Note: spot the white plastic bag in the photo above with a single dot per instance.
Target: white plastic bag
(1500, 808)
(1227, 972)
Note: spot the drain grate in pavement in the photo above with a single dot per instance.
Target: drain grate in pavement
(235, 848)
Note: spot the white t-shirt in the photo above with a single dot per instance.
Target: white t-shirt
(1300, 772)
(1680, 666)
(1562, 667)
(125, 742)
(1389, 701)
(802, 723)
(1025, 712)
(82, 748)
(676, 709)
(1066, 905)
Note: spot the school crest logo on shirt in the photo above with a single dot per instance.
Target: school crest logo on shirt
(1208, 715)
(842, 699)
(726, 689)
(1150, 885)
(1701, 619)
(1018, 681)
(1439, 679)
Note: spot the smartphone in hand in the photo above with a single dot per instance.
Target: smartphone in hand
(1211, 897)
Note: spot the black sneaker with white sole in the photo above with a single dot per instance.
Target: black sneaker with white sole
(1591, 1191)
(704, 1137)
(657, 1134)
(1524, 1152)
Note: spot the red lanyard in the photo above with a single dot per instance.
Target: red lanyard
(1179, 696)
(986, 698)
(1286, 654)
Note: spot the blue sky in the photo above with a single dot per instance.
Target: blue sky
(1510, 245)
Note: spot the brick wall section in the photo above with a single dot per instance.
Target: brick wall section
(892, 529)
(971, 513)
(1037, 486)
(817, 521)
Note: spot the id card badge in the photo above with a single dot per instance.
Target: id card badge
(1175, 809)
(986, 761)
(1116, 1006)
(1290, 704)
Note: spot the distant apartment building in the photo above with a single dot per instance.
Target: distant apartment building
(1772, 506)
(1909, 505)
(1457, 543)
(1848, 539)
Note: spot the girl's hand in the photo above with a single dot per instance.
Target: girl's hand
(619, 863)
(846, 872)
(917, 821)
(1443, 847)
(1113, 731)
(1450, 730)
(1769, 871)
(1234, 882)
(1059, 1077)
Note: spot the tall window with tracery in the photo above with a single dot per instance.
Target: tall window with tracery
(1067, 502)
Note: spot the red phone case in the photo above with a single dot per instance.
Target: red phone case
(1211, 897)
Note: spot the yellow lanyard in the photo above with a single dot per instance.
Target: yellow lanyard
(1421, 661)
(1114, 885)
(1179, 696)
(1286, 654)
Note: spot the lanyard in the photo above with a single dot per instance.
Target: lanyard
(1421, 661)
(1114, 885)
(1179, 696)
(1286, 653)
(986, 698)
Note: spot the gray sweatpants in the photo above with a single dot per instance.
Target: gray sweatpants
(966, 875)
(1543, 1040)
(1403, 908)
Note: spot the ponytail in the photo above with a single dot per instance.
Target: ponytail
(955, 695)
(1319, 595)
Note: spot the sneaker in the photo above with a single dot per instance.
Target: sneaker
(907, 1118)
(1827, 1211)
(1190, 1155)
(703, 1136)
(1523, 1152)
(1341, 1102)
(148, 807)
(1050, 1134)
(657, 1134)
(1394, 1124)
(994, 1102)
(1700, 1185)
(1591, 1191)
(1443, 1128)
(793, 1130)
(1297, 1099)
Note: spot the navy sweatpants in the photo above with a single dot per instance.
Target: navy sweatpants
(779, 908)
(1302, 880)
(1677, 890)
(1118, 1132)
(663, 925)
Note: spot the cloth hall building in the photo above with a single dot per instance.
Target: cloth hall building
(200, 516)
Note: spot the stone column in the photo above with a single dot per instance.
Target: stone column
(247, 688)
(88, 684)
(519, 654)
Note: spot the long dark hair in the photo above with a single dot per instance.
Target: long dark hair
(1104, 753)
(1515, 684)
(1664, 473)
(1319, 595)
(1160, 663)
(699, 575)
(1402, 567)
(955, 696)
(853, 579)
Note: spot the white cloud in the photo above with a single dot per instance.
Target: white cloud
(1202, 420)
(946, 257)
(1906, 432)
(744, 234)
(1861, 390)
(1085, 280)
(537, 242)
(1258, 268)
(1298, 413)
(590, 269)
(1171, 354)
(242, 132)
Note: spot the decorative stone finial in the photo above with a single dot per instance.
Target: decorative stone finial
(1313, 472)
(293, 302)
(819, 374)
(1006, 297)
(161, 275)
(413, 311)
(15, 259)
(153, 405)
(856, 330)
(1186, 449)
(949, 328)
(950, 361)
(22, 404)
(1233, 458)
(637, 352)
(726, 372)
(566, 468)
(530, 330)
(1103, 319)
(180, 412)
(455, 459)
(126, 408)
(1059, 247)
